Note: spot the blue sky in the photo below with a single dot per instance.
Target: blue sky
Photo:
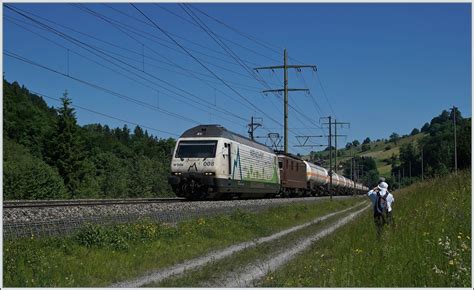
(383, 67)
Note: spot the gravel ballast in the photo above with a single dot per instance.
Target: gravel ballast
(62, 220)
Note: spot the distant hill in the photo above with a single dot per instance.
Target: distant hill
(401, 155)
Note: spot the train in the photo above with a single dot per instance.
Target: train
(211, 162)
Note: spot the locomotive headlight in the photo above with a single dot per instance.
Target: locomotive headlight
(177, 173)
(209, 173)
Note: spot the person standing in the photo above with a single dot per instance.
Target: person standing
(382, 201)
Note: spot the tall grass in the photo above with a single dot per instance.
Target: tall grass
(429, 245)
(100, 256)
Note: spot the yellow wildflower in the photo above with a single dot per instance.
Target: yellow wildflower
(451, 262)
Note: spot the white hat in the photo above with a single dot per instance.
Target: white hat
(383, 186)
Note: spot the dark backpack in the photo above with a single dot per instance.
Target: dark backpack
(381, 205)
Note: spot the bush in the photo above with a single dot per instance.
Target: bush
(28, 177)
(388, 147)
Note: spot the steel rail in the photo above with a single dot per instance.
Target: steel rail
(84, 202)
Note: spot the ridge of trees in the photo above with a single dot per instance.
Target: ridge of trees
(48, 155)
(437, 145)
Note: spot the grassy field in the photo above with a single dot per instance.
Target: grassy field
(429, 244)
(100, 256)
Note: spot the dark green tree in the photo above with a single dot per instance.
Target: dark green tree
(28, 177)
(425, 127)
(366, 141)
(66, 147)
(414, 131)
(394, 138)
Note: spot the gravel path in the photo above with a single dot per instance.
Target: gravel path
(193, 264)
(246, 277)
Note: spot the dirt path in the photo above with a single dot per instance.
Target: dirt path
(194, 264)
(246, 277)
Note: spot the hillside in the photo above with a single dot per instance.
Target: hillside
(379, 150)
(399, 158)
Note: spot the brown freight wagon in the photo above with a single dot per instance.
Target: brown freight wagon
(292, 175)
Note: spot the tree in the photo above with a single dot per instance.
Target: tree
(414, 131)
(28, 177)
(66, 151)
(425, 127)
(365, 147)
(355, 143)
(441, 118)
(366, 141)
(348, 145)
(394, 138)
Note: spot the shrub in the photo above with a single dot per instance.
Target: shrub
(28, 177)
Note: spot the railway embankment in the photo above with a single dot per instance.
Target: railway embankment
(103, 255)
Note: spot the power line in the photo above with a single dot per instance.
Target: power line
(246, 35)
(168, 61)
(173, 34)
(122, 96)
(324, 93)
(203, 65)
(106, 115)
(186, 20)
(228, 50)
(82, 44)
(118, 26)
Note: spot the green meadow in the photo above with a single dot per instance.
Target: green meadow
(429, 244)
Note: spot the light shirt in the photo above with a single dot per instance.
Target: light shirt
(390, 199)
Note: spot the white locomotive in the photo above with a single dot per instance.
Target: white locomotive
(211, 162)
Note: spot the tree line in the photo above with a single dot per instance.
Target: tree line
(48, 155)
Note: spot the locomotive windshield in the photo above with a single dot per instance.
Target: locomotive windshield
(196, 149)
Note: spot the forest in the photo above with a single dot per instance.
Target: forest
(47, 155)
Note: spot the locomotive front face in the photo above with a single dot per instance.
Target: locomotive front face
(194, 167)
(194, 157)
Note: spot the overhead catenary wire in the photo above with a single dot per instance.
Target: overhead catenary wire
(82, 44)
(107, 115)
(240, 85)
(203, 65)
(228, 50)
(184, 69)
(173, 34)
(167, 60)
(119, 95)
(246, 35)
(131, 78)
(223, 37)
(122, 27)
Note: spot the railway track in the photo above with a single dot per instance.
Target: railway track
(84, 202)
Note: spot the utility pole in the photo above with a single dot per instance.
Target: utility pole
(409, 162)
(455, 143)
(330, 158)
(399, 181)
(335, 139)
(285, 89)
(422, 171)
(254, 125)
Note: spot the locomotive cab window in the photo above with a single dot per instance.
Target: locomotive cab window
(280, 164)
(196, 149)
